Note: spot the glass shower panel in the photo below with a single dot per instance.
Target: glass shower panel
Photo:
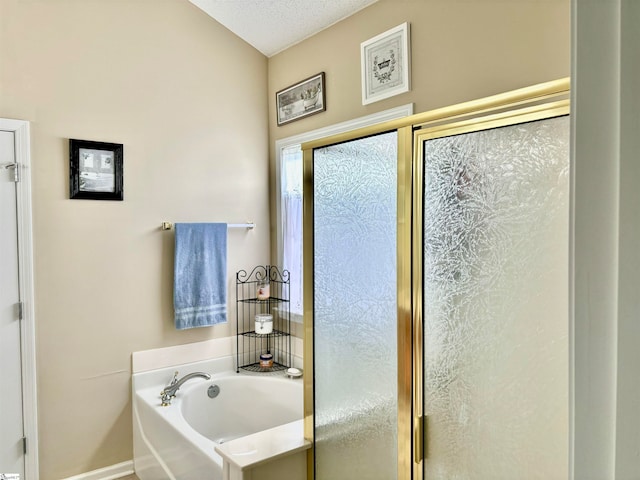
(355, 309)
(496, 225)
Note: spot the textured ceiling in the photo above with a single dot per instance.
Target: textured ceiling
(274, 25)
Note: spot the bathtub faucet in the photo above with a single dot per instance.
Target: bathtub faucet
(170, 390)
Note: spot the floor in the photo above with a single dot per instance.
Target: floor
(130, 477)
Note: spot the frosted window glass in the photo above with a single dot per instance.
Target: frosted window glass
(355, 309)
(496, 303)
(291, 223)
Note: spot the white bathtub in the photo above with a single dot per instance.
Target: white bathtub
(179, 441)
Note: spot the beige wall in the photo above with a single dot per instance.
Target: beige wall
(188, 101)
(461, 50)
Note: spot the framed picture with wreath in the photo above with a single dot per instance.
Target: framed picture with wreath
(385, 61)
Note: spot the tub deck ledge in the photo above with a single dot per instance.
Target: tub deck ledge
(251, 451)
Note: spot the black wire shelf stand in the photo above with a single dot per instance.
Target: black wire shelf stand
(251, 300)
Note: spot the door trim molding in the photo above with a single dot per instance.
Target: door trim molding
(21, 131)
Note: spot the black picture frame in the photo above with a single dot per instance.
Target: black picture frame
(95, 170)
(302, 99)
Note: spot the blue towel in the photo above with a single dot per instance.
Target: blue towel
(200, 277)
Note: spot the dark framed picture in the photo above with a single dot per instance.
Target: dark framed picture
(301, 100)
(95, 170)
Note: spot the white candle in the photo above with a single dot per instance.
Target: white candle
(264, 323)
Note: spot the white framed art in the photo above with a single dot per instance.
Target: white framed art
(386, 64)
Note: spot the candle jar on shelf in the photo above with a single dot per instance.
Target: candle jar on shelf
(263, 290)
(264, 323)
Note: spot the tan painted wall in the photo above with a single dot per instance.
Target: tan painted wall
(461, 50)
(188, 101)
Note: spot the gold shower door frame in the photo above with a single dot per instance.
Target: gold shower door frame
(537, 102)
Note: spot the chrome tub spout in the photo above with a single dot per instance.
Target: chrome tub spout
(170, 390)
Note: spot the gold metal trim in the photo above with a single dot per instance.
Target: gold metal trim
(498, 120)
(535, 95)
(307, 282)
(405, 333)
(543, 92)
(417, 296)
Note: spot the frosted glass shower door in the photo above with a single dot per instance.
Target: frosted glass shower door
(495, 301)
(355, 309)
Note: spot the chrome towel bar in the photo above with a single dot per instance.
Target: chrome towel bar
(248, 226)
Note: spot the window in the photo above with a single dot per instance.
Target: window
(291, 222)
(289, 202)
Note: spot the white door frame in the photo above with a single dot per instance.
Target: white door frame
(20, 128)
(605, 229)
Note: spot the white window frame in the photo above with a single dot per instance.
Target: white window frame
(298, 140)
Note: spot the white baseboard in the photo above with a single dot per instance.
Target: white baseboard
(107, 473)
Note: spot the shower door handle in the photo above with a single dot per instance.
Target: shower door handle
(418, 438)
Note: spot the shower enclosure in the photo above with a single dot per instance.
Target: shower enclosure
(495, 301)
(355, 308)
(436, 293)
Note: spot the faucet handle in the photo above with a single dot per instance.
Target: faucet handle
(166, 399)
(169, 391)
